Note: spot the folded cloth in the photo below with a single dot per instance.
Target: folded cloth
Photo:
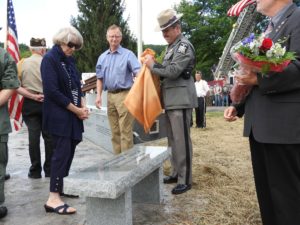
(143, 99)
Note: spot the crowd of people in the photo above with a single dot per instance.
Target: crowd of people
(54, 107)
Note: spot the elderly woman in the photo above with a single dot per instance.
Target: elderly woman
(63, 111)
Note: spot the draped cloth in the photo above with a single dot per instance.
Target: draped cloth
(143, 99)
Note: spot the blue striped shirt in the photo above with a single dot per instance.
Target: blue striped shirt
(117, 69)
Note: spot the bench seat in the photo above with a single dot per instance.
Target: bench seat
(110, 187)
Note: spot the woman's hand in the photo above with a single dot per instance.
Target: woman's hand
(83, 113)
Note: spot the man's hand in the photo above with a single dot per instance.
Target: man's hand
(230, 114)
(149, 61)
(38, 97)
(98, 101)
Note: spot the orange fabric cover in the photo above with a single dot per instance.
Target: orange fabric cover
(143, 99)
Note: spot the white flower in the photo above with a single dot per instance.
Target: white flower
(279, 51)
(269, 53)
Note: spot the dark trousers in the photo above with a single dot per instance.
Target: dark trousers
(276, 170)
(33, 117)
(3, 164)
(63, 154)
(200, 112)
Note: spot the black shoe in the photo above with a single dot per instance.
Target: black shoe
(7, 176)
(170, 180)
(3, 211)
(181, 188)
(34, 176)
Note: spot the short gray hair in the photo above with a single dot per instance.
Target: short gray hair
(66, 35)
(113, 27)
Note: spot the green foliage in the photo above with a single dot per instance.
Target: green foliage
(24, 50)
(95, 16)
(208, 27)
(157, 48)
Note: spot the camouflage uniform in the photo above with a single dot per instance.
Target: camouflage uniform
(8, 80)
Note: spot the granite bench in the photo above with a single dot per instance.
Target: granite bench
(110, 187)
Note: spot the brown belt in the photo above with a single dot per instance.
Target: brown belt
(118, 90)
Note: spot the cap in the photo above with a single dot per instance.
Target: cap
(37, 42)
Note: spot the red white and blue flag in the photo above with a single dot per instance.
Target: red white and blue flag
(237, 8)
(12, 47)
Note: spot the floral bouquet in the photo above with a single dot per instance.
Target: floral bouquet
(257, 54)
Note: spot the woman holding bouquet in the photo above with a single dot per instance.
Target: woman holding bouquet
(272, 121)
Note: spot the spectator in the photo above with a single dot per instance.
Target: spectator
(63, 111)
(32, 90)
(202, 89)
(115, 70)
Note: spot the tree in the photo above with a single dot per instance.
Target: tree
(208, 27)
(95, 16)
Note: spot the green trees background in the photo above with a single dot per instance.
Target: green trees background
(205, 23)
(95, 16)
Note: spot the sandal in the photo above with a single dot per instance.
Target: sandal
(68, 196)
(58, 208)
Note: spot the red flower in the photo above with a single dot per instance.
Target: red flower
(266, 44)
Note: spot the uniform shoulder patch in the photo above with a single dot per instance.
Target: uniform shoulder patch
(183, 47)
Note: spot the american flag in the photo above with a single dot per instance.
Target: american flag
(236, 9)
(12, 46)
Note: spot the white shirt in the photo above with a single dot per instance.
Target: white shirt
(201, 88)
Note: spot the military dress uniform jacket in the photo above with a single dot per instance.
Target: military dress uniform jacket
(272, 110)
(177, 92)
(8, 80)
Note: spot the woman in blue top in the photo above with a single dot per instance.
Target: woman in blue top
(63, 111)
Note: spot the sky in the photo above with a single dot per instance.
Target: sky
(43, 18)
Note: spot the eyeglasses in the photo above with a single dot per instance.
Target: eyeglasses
(114, 36)
(72, 45)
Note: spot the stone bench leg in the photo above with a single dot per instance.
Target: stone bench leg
(103, 211)
(149, 190)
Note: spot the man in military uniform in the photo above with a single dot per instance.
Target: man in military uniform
(8, 83)
(179, 97)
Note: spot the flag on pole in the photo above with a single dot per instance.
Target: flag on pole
(12, 47)
(237, 8)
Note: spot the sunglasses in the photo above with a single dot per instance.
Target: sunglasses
(73, 45)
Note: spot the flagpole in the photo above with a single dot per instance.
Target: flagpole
(5, 42)
(140, 28)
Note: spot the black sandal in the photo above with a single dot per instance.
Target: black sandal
(58, 208)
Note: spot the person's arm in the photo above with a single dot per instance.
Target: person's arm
(81, 113)
(98, 101)
(5, 95)
(9, 80)
(179, 62)
(27, 94)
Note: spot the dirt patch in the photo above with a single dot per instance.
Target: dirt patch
(223, 190)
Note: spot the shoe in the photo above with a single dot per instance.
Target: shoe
(170, 180)
(181, 188)
(65, 207)
(3, 211)
(7, 176)
(34, 176)
(68, 196)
